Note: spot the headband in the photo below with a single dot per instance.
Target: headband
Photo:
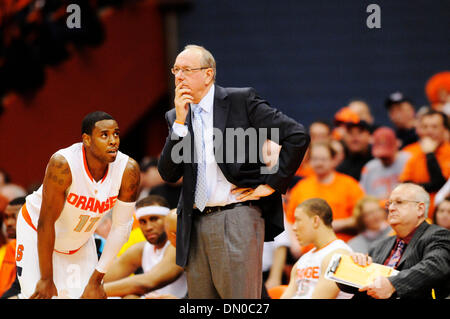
(152, 210)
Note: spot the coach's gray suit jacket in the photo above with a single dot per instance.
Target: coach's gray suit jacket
(425, 263)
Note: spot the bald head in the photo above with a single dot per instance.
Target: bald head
(408, 206)
(416, 192)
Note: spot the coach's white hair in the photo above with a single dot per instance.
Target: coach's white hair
(207, 58)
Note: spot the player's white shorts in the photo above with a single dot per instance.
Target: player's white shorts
(71, 272)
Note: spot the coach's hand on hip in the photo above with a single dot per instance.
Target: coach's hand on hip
(248, 193)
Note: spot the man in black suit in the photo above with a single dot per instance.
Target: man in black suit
(230, 202)
(420, 251)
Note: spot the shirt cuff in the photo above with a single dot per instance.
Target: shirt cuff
(179, 129)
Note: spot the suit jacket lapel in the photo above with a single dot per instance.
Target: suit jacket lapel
(192, 148)
(412, 244)
(220, 114)
(387, 248)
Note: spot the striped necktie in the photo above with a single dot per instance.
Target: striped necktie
(201, 190)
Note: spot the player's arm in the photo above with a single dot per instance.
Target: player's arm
(126, 264)
(327, 289)
(130, 182)
(56, 180)
(122, 219)
(162, 274)
(276, 270)
(292, 287)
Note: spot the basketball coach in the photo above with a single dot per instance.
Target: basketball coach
(229, 203)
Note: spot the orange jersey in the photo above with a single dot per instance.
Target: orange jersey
(7, 266)
(341, 194)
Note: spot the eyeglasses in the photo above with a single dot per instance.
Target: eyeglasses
(186, 71)
(399, 202)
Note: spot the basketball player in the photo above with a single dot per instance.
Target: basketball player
(312, 225)
(156, 256)
(56, 254)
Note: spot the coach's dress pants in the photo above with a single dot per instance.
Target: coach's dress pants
(225, 258)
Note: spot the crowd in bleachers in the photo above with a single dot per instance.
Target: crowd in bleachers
(34, 34)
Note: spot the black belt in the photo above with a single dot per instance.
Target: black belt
(212, 209)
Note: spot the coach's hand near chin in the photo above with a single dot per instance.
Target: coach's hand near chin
(182, 100)
(94, 289)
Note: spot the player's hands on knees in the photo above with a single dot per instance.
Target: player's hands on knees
(361, 259)
(45, 289)
(94, 290)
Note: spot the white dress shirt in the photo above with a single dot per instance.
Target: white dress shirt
(219, 188)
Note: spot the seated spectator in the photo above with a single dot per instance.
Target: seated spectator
(402, 114)
(312, 225)
(441, 216)
(170, 191)
(340, 151)
(357, 148)
(437, 90)
(11, 191)
(149, 176)
(420, 251)
(343, 116)
(319, 131)
(339, 190)
(8, 246)
(371, 220)
(156, 256)
(380, 175)
(361, 108)
(429, 164)
(10, 216)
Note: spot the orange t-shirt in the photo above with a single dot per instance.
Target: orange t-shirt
(341, 194)
(416, 167)
(412, 148)
(8, 266)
